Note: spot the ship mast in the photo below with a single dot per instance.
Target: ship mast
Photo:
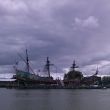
(27, 61)
(74, 66)
(97, 71)
(47, 66)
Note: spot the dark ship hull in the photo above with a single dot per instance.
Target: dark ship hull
(26, 79)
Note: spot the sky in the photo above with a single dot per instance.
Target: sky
(64, 30)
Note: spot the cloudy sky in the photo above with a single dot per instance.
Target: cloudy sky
(64, 30)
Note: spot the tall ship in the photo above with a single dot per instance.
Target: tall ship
(26, 78)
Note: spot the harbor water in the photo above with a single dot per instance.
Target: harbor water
(51, 99)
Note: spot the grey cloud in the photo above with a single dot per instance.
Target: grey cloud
(90, 22)
(55, 29)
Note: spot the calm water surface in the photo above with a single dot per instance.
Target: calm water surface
(13, 99)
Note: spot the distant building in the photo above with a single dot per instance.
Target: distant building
(106, 81)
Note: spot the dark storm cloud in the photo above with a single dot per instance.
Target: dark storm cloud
(62, 30)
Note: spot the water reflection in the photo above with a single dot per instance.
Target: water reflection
(12, 99)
